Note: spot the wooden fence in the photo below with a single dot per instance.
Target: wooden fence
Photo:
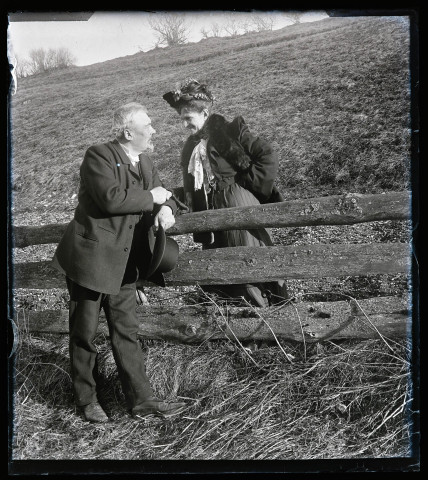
(307, 321)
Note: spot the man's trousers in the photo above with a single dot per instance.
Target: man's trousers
(120, 311)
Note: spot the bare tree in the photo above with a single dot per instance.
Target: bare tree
(247, 26)
(232, 27)
(171, 29)
(262, 23)
(50, 60)
(64, 58)
(213, 31)
(42, 60)
(205, 33)
(294, 16)
(22, 67)
(37, 62)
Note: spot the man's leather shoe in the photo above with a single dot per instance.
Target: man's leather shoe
(154, 406)
(93, 412)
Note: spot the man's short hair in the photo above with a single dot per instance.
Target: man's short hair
(122, 117)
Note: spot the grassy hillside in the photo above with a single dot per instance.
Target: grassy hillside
(332, 97)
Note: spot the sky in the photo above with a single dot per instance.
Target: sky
(108, 35)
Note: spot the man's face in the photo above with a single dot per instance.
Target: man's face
(193, 120)
(141, 132)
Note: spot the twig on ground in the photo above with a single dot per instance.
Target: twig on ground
(301, 329)
(287, 356)
(52, 365)
(230, 329)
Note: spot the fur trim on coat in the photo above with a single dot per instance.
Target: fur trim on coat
(217, 128)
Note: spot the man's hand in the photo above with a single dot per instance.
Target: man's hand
(164, 218)
(160, 195)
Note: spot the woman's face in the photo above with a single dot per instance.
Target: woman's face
(193, 120)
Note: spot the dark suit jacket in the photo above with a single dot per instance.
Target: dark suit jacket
(114, 205)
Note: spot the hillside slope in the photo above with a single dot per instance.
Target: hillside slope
(332, 97)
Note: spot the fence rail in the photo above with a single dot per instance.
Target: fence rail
(303, 321)
(335, 210)
(244, 264)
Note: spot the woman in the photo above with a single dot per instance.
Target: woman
(224, 166)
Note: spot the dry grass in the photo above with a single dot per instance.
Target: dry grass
(277, 401)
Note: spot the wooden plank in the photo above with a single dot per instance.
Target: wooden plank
(245, 264)
(301, 321)
(25, 236)
(335, 210)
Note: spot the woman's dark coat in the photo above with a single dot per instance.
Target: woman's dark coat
(258, 178)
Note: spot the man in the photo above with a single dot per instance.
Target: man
(103, 252)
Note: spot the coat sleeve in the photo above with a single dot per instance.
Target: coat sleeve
(99, 178)
(260, 176)
(158, 183)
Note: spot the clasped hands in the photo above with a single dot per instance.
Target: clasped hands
(164, 217)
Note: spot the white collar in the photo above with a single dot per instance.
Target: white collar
(134, 158)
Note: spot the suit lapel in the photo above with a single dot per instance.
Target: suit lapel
(123, 156)
(125, 159)
(146, 169)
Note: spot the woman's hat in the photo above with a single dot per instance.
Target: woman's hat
(189, 90)
(164, 257)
